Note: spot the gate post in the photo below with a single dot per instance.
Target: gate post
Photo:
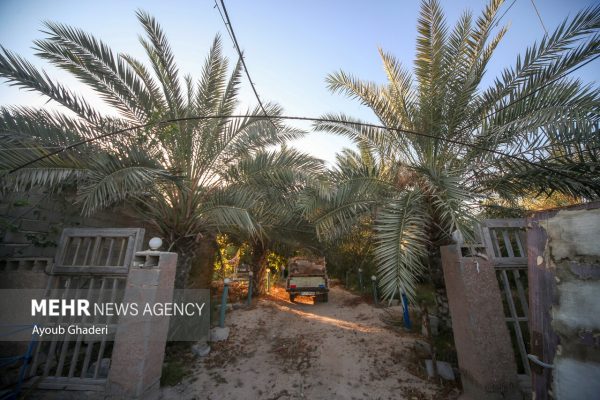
(485, 355)
(139, 347)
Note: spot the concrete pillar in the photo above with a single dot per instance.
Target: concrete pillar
(485, 354)
(139, 347)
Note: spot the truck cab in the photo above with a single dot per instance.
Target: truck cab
(307, 277)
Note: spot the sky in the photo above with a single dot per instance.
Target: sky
(289, 46)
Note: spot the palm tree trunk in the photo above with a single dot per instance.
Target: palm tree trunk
(184, 261)
(203, 264)
(436, 273)
(259, 269)
(196, 263)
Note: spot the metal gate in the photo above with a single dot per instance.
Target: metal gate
(92, 264)
(505, 241)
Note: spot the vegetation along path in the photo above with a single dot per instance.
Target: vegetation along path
(283, 350)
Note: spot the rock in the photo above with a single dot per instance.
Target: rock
(201, 349)
(218, 334)
(237, 306)
(422, 348)
(444, 370)
(434, 324)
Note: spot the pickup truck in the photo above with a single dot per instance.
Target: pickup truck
(307, 277)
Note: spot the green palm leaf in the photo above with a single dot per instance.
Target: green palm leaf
(401, 241)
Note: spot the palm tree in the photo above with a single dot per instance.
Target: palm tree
(450, 143)
(280, 177)
(355, 186)
(176, 175)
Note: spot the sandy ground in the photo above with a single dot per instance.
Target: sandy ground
(283, 350)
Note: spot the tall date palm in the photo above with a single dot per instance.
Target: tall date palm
(451, 143)
(177, 174)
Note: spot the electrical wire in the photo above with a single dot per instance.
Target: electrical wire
(224, 22)
(229, 27)
(505, 12)
(296, 118)
(31, 148)
(539, 17)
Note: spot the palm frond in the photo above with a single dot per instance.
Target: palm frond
(230, 208)
(431, 38)
(572, 43)
(162, 58)
(21, 73)
(92, 61)
(401, 241)
(157, 98)
(112, 180)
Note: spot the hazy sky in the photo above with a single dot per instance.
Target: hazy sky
(290, 46)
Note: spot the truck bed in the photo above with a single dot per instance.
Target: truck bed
(307, 285)
(307, 281)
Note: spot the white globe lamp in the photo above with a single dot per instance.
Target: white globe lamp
(155, 243)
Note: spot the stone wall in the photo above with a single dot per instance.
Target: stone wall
(31, 223)
(573, 253)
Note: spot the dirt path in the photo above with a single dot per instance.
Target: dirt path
(283, 350)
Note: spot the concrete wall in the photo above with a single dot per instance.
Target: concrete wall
(573, 252)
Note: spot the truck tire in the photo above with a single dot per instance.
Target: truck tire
(292, 297)
(325, 297)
